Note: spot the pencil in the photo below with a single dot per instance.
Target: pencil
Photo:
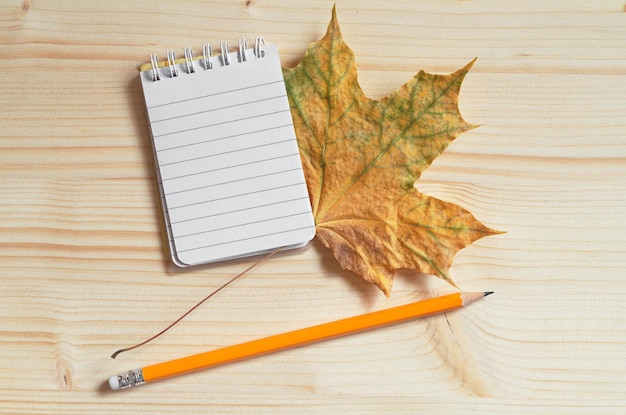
(293, 339)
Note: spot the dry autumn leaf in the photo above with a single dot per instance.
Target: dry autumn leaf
(362, 157)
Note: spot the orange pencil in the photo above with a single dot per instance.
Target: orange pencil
(293, 339)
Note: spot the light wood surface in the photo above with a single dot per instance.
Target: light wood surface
(83, 273)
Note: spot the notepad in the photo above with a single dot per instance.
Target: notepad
(227, 159)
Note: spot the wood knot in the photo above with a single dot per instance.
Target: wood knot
(65, 374)
(25, 7)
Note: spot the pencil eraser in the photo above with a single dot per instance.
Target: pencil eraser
(114, 383)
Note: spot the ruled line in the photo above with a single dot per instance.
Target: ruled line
(234, 196)
(239, 225)
(219, 108)
(230, 167)
(221, 123)
(215, 94)
(235, 181)
(240, 210)
(224, 138)
(245, 239)
(226, 152)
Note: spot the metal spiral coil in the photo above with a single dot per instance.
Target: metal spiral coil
(206, 61)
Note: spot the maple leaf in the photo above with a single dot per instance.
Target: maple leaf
(361, 158)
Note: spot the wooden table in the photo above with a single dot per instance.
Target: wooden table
(83, 271)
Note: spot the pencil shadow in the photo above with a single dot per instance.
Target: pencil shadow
(104, 388)
(416, 280)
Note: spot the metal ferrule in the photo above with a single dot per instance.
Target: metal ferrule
(131, 378)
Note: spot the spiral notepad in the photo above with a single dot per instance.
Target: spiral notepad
(227, 159)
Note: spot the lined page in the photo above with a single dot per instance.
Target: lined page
(228, 161)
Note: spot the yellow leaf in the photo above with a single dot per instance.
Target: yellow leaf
(361, 158)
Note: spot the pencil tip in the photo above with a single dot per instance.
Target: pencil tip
(488, 293)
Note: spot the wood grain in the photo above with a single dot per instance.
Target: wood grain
(81, 253)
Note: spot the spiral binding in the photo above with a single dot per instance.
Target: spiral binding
(206, 61)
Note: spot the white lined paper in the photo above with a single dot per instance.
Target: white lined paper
(228, 163)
